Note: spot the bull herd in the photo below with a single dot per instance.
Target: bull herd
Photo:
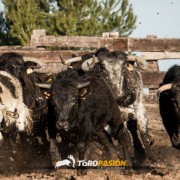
(98, 97)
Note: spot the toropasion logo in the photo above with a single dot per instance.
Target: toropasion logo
(90, 163)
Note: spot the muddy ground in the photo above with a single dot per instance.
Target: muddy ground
(21, 162)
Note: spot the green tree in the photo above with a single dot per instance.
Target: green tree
(3, 36)
(118, 16)
(77, 17)
(22, 17)
(67, 17)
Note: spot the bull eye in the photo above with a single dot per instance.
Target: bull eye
(72, 101)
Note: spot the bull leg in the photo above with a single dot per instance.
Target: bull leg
(124, 140)
(81, 146)
(140, 152)
(172, 130)
(141, 114)
(54, 152)
(175, 140)
(106, 142)
(147, 139)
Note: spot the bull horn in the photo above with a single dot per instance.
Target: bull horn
(74, 59)
(82, 85)
(89, 63)
(141, 62)
(45, 86)
(164, 88)
(71, 60)
(35, 60)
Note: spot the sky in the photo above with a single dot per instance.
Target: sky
(160, 18)
(156, 17)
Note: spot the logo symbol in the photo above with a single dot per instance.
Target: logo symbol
(66, 162)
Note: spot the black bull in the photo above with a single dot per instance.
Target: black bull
(169, 104)
(85, 106)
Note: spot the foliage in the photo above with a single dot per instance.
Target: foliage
(62, 17)
(92, 18)
(22, 17)
(2, 29)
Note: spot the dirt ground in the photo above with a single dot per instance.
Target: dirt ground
(25, 163)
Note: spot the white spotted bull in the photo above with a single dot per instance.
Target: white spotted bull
(13, 111)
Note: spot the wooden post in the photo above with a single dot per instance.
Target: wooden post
(37, 35)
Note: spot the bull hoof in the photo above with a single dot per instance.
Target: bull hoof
(136, 163)
(81, 172)
(150, 139)
(175, 141)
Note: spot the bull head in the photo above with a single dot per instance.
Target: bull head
(70, 96)
(90, 63)
(169, 109)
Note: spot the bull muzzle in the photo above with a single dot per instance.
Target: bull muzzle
(62, 125)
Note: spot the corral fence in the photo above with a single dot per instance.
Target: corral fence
(46, 49)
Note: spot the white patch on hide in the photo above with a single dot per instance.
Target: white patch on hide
(108, 129)
(1, 137)
(114, 72)
(139, 106)
(11, 104)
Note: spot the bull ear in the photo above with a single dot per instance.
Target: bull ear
(129, 66)
(141, 63)
(29, 70)
(84, 90)
(32, 64)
